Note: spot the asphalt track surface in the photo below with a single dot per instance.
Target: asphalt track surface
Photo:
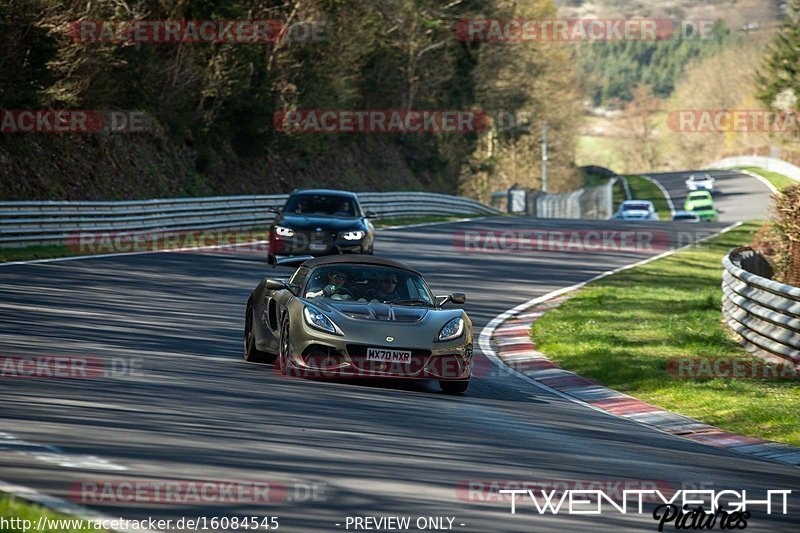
(199, 412)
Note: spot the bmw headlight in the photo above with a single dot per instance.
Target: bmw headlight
(284, 231)
(452, 330)
(317, 319)
(353, 235)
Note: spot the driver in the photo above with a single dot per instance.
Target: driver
(337, 284)
(387, 289)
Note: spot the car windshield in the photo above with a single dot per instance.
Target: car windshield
(368, 283)
(320, 205)
(635, 207)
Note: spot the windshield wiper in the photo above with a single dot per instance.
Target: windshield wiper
(411, 301)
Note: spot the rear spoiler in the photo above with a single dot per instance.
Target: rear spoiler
(294, 261)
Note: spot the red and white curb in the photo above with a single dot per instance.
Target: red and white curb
(511, 343)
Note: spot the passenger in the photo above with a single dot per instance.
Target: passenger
(387, 289)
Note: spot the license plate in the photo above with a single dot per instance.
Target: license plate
(317, 247)
(388, 356)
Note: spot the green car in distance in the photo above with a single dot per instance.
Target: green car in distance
(702, 204)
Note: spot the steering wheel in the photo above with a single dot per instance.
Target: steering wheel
(338, 289)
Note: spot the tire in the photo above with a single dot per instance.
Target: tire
(283, 345)
(454, 387)
(251, 353)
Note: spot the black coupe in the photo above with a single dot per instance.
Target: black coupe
(321, 222)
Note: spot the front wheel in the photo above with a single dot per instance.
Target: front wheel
(284, 345)
(454, 387)
(251, 353)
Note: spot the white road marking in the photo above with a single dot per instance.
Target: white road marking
(62, 506)
(762, 179)
(664, 192)
(53, 455)
(200, 248)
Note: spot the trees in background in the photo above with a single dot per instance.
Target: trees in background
(613, 70)
(779, 76)
(381, 54)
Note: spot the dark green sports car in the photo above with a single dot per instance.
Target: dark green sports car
(358, 316)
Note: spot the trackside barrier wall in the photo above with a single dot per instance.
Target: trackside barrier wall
(765, 313)
(589, 203)
(40, 223)
(767, 163)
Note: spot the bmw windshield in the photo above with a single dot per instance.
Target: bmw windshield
(321, 205)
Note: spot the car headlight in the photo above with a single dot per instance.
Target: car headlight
(284, 231)
(353, 235)
(317, 319)
(452, 330)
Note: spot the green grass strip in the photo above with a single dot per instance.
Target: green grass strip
(779, 181)
(623, 330)
(13, 513)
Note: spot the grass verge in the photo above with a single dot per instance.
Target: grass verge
(642, 189)
(624, 329)
(13, 508)
(779, 181)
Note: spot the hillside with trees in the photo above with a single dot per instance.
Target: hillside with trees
(212, 104)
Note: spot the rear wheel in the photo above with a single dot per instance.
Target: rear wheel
(454, 387)
(251, 353)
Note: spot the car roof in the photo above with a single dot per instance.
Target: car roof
(632, 202)
(704, 194)
(331, 192)
(357, 260)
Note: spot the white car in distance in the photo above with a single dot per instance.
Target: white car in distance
(636, 210)
(700, 182)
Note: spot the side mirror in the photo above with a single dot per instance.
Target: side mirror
(274, 210)
(456, 298)
(369, 213)
(275, 284)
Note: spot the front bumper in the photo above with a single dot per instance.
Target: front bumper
(322, 245)
(329, 356)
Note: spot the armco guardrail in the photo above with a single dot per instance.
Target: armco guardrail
(765, 313)
(767, 163)
(32, 223)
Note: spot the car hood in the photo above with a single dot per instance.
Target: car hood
(302, 222)
(374, 311)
